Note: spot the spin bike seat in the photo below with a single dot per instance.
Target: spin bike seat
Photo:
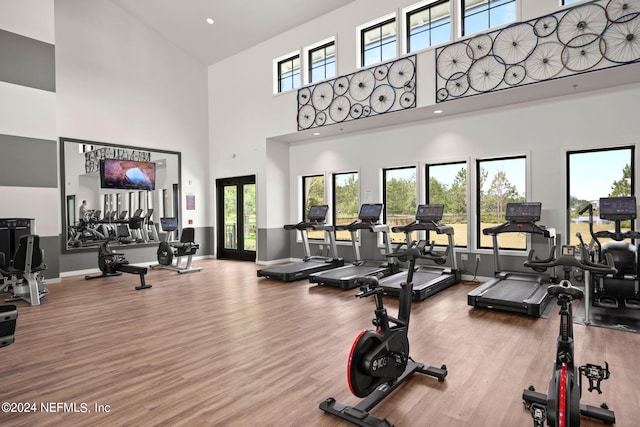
(565, 288)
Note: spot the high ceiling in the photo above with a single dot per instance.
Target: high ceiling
(239, 24)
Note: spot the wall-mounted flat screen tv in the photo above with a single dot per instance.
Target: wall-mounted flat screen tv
(127, 174)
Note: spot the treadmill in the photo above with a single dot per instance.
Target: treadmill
(345, 277)
(517, 292)
(427, 280)
(310, 264)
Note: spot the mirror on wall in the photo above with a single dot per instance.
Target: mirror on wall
(116, 192)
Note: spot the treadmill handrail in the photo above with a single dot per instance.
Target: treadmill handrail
(517, 227)
(303, 225)
(422, 226)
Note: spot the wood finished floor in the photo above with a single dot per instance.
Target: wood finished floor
(223, 347)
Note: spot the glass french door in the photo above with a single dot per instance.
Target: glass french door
(236, 223)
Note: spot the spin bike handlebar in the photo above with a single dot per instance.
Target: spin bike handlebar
(570, 261)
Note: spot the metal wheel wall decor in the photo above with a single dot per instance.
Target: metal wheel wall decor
(592, 36)
(366, 93)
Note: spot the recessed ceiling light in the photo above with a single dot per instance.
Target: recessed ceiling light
(210, 21)
(316, 133)
(437, 111)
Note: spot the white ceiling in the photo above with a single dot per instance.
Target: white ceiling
(239, 24)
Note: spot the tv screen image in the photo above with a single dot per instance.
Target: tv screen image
(127, 174)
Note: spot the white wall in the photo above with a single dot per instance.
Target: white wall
(29, 112)
(120, 82)
(245, 117)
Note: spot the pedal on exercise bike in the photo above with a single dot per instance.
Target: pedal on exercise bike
(561, 406)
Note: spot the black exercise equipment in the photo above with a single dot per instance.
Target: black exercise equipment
(379, 361)
(8, 317)
(561, 405)
(168, 252)
(622, 289)
(427, 280)
(23, 273)
(345, 277)
(518, 292)
(112, 264)
(309, 264)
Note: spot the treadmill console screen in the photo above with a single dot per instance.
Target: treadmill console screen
(618, 208)
(429, 213)
(169, 224)
(523, 212)
(318, 213)
(370, 212)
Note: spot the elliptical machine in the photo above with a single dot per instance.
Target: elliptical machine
(561, 405)
(379, 361)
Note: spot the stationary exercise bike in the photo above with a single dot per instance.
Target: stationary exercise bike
(561, 406)
(379, 361)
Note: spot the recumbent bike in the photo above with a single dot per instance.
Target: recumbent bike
(379, 361)
(170, 254)
(561, 405)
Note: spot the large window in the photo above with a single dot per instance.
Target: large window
(399, 198)
(569, 1)
(447, 185)
(378, 42)
(346, 204)
(481, 15)
(428, 25)
(500, 181)
(313, 194)
(289, 73)
(322, 62)
(593, 174)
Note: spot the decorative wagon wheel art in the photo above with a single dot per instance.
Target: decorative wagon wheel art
(623, 40)
(401, 72)
(515, 43)
(341, 85)
(486, 74)
(306, 116)
(453, 59)
(457, 85)
(339, 109)
(622, 10)
(382, 98)
(581, 20)
(584, 56)
(322, 96)
(479, 46)
(361, 85)
(304, 96)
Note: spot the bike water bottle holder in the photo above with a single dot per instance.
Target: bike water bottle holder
(595, 374)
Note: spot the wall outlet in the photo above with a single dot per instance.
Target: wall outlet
(464, 256)
(477, 257)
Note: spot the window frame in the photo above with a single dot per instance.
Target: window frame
(334, 204)
(310, 233)
(632, 158)
(427, 193)
(378, 23)
(384, 191)
(277, 81)
(463, 17)
(478, 230)
(308, 52)
(417, 8)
